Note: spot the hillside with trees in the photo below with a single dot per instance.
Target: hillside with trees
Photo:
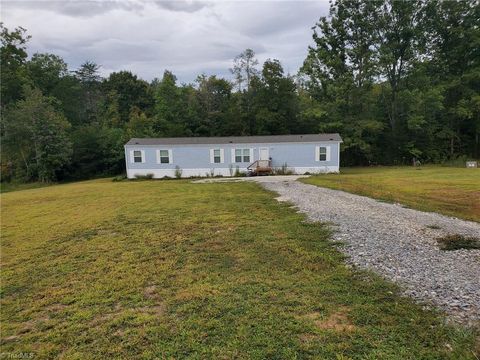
(397, 79)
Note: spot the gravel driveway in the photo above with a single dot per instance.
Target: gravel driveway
(398, 243)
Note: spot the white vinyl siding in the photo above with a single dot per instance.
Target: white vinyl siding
(137, 156)
(217, 156)
(242, 155)
(164, 156)
(322, 153)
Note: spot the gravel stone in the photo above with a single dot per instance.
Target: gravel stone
(398, 243)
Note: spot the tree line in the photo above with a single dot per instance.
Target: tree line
(398, 80)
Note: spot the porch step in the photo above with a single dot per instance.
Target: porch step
(260, 167)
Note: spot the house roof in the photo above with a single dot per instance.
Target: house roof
(236, 139)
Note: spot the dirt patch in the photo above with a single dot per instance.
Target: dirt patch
(158, 309)
(307, 338)
(27, 327)
(338, 320)
(119, 333)
(150, 292)
(9, 339)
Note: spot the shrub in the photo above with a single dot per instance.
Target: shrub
(178, 172)
(457, 241)
(284, 170)
(458, 162)
(239, 173)
(119, 178)
(143, 177)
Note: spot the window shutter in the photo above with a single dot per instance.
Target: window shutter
(328, 153)
(158, 156)
(222, 156)
(170, 156)
(233, 155)
(251, 155)
(132, 160)
(143, 156)
(212, 160)
(317, 153)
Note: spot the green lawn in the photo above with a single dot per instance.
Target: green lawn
(450, 191)
(171, 269)
(8, 187)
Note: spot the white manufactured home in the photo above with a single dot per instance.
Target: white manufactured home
(202, 156)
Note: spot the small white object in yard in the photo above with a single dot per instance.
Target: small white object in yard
(471, 164)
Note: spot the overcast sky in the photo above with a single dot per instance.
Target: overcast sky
(186, 37)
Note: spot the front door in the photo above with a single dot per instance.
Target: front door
(264, 155)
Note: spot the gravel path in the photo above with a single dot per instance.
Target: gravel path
(398, 243)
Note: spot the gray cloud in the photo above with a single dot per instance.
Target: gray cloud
(186, 37)
(88, 8)
(186, 6)
(75, 8)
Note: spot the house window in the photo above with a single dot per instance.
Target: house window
(242, 155)
(322, 153)
(137, 156)
(217, 158)
(164, 157)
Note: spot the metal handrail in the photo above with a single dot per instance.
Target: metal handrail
(251, 165)
(259, 164)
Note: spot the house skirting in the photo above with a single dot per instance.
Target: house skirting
(204, 172)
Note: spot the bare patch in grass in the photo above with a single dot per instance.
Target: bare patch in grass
(156, 309)
(27, 327)
(119, 333)
(457, 241)
(106, 316)
(307, 338)
(338, 320)
(9, 339)
(150, 292)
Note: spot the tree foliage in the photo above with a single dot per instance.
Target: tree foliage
(397, 79)
(389, 78)
(35, 137)
(13, 57)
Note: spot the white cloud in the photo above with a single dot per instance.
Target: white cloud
(186, 37)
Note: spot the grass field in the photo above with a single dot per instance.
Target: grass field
(450, 191)
(170, 269)
(8, 187)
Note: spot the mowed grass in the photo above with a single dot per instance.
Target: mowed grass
(8, 187)
(171, 269)
(450, 191)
